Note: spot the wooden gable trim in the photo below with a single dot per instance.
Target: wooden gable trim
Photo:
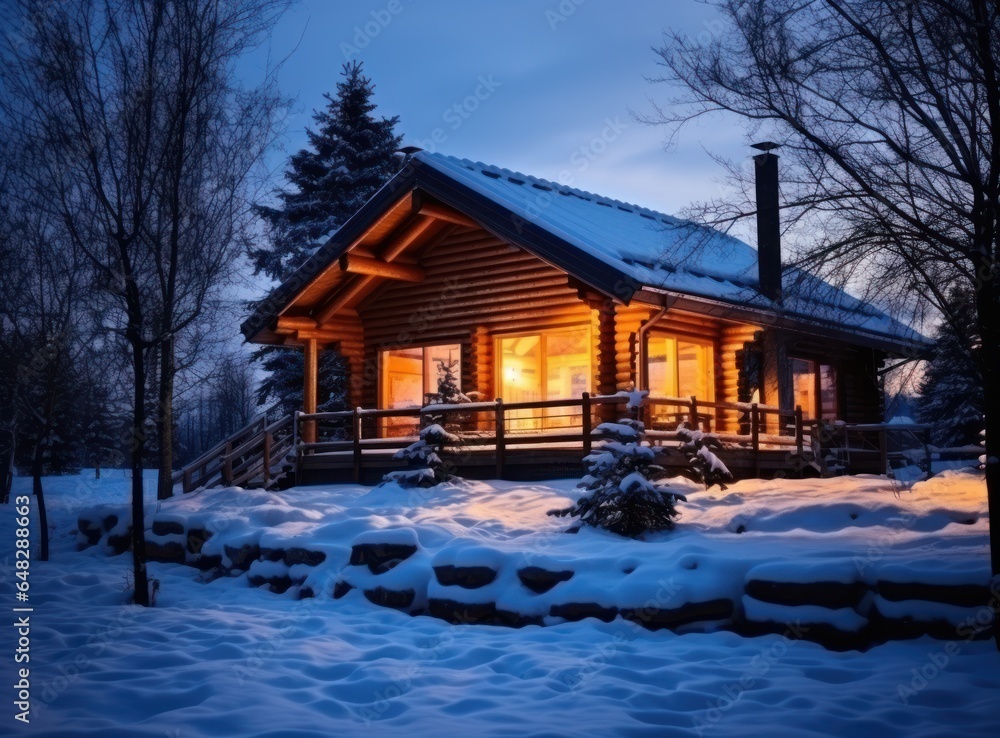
(519, 230)
(354, 264)
(425, 205)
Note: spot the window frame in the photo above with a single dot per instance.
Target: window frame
(816, 413)
(543, 368)
(704, 341)
(383, 372)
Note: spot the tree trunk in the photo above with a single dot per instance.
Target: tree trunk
(36, 486)
(988, 310)
(165, 424)
(8, 466)
(138, 446)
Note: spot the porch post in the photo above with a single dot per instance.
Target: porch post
(309, 389)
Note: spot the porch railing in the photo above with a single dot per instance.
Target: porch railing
(501, 426)
(252, 454)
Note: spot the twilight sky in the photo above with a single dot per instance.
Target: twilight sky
(541, 86)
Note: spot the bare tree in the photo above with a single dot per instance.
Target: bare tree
(886, 112)
(143, 143)
(44, 340)
(221, 402)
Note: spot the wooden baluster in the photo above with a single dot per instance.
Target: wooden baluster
(755, 437)
(267, 458)
(883, 450)
(500, 437)
(693, 414)
(585, 408)
(356, 424)
(927, 451)
(799, 442)
(227, 465)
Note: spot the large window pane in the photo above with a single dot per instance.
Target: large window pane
(408, 375)
(404, 373)
(544, 366)
(520, 362)
(804, 385)
(695, 375)
(567, 364)
(828, 392)
(662, 363)
(680, 367)
(567, 370)
(521, 377)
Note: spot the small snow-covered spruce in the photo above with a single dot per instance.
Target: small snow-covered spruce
(623, 496)
(425, 467)
(704, 465)
(448, 393)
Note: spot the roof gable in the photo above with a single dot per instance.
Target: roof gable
(615, 247)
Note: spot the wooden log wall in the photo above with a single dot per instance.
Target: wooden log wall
(476, 287)
(627, 323)
(733, 337)
(860, 396)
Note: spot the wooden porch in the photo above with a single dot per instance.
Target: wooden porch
(548, 439)
(544, 440)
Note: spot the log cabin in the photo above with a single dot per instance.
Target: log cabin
(538, 292)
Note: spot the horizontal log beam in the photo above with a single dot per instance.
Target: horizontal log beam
(340, 299)
(399, 241)
(442, 212)
(354, 264)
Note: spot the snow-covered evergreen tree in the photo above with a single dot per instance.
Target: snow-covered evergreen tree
(951, 395)
(424, 465)
(623, 495)
(699, 449)
(282, 388)
(448, 393)
(350, 155)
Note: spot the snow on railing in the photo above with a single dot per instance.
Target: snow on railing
(497, 425)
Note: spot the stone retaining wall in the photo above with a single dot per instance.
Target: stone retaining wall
(397, 573)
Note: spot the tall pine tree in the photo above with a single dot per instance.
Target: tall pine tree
(350, 155)
(951, 396)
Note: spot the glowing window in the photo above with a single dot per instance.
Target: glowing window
(814, 386)
(552, 365)
(681, 367)
(409, 374)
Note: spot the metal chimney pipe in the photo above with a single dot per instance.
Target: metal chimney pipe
(768, 223)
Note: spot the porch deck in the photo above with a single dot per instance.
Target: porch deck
(548, 439)
(544, 440)
(532, 463)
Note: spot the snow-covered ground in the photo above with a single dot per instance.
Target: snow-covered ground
(224, 659)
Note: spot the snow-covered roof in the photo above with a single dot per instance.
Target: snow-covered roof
(661, 252)
(617, 248)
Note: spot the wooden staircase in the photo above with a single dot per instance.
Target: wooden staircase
(256, 456)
